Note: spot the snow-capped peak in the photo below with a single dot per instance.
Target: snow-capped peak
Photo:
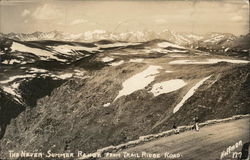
(131, 36)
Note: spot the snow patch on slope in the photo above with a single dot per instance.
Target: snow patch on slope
(167, 44)
(138, 60)
(106, 105)
(189, 94)
(43, 54)
(16, 77)
(13, 88)
(117, 63)
(139, 81)
(215, 38)
(68, 49)
(107, 59)
(65, 76)
(208, 61)
(11, 91)
(167, 86)
(177, 55)
(117, 45)
(163, 50)
(12, 61)
(36, 70)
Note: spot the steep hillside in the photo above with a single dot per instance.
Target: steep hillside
(9, 109)
(112, 92)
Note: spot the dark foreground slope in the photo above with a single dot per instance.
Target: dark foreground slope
(73, 118)
(225, 96)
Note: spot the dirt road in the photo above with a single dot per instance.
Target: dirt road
(207, 144)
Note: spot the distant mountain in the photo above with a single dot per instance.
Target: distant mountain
(96, 35)
(219, 43)
(218, 38)
(215, 39)
(242, 43)
(226, 44)
(35, 36)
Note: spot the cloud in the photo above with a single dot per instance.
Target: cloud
(245, 7)
(25, 13)
(60, 23)
(237, 18)
(47, 12)
(26, 21)
(247, 1)
(160, 21)
(78, 21)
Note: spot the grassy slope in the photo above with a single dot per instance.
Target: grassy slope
(74, 115)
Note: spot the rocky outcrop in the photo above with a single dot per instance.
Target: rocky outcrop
(5, 44)
(9, 109)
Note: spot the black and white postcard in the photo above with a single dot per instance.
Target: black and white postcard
(124, 80)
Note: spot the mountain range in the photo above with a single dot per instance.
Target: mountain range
(213, 42)
(133, 36)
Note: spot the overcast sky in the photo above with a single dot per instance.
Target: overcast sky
(196, 16)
